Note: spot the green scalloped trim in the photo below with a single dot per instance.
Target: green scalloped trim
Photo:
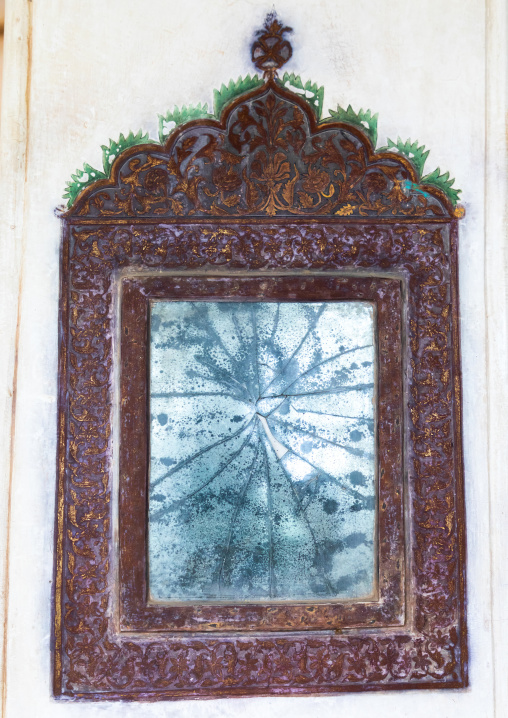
(444, 183)
(365, 120)
(413, 151)
(77, 183)
(232, 90)
(179, 116)
(311, 92)
(417, 154)
(110, 152)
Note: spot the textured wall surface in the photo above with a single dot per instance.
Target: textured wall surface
(80, 73)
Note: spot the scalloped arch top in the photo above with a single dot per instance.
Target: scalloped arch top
(267, 157)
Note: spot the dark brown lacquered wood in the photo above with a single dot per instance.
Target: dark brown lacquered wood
(265, 204)
(387, 607)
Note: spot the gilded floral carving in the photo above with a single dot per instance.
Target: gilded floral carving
(268, 158)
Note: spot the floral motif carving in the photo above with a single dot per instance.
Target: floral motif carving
(97, 661)
(267, 158)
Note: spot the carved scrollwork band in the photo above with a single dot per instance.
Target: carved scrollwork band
(92, 657)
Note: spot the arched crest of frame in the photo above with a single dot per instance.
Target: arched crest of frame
(266, 157)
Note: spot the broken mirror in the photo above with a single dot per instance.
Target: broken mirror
(262, 450)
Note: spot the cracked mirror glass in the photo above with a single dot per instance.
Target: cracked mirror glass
(262, 451)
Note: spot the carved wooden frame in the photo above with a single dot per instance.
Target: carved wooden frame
(156, 217)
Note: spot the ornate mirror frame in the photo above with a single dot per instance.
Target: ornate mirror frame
(264, 203)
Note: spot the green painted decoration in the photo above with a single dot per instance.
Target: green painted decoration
(412, 150)
(80, 180)
(444, 183)
(232, 90)
(110, 152)
(366, 121)
(177, 117)
(309, 91)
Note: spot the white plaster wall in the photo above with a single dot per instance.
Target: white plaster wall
(101, 67)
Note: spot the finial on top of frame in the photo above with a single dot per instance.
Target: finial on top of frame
(271, 50)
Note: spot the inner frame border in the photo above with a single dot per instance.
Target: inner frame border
(136, 613)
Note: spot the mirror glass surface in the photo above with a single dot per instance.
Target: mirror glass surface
(262, 451)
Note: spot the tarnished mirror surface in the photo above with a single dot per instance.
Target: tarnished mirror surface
(262, 450)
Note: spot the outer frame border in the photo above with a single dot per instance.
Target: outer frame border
(90, 660)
